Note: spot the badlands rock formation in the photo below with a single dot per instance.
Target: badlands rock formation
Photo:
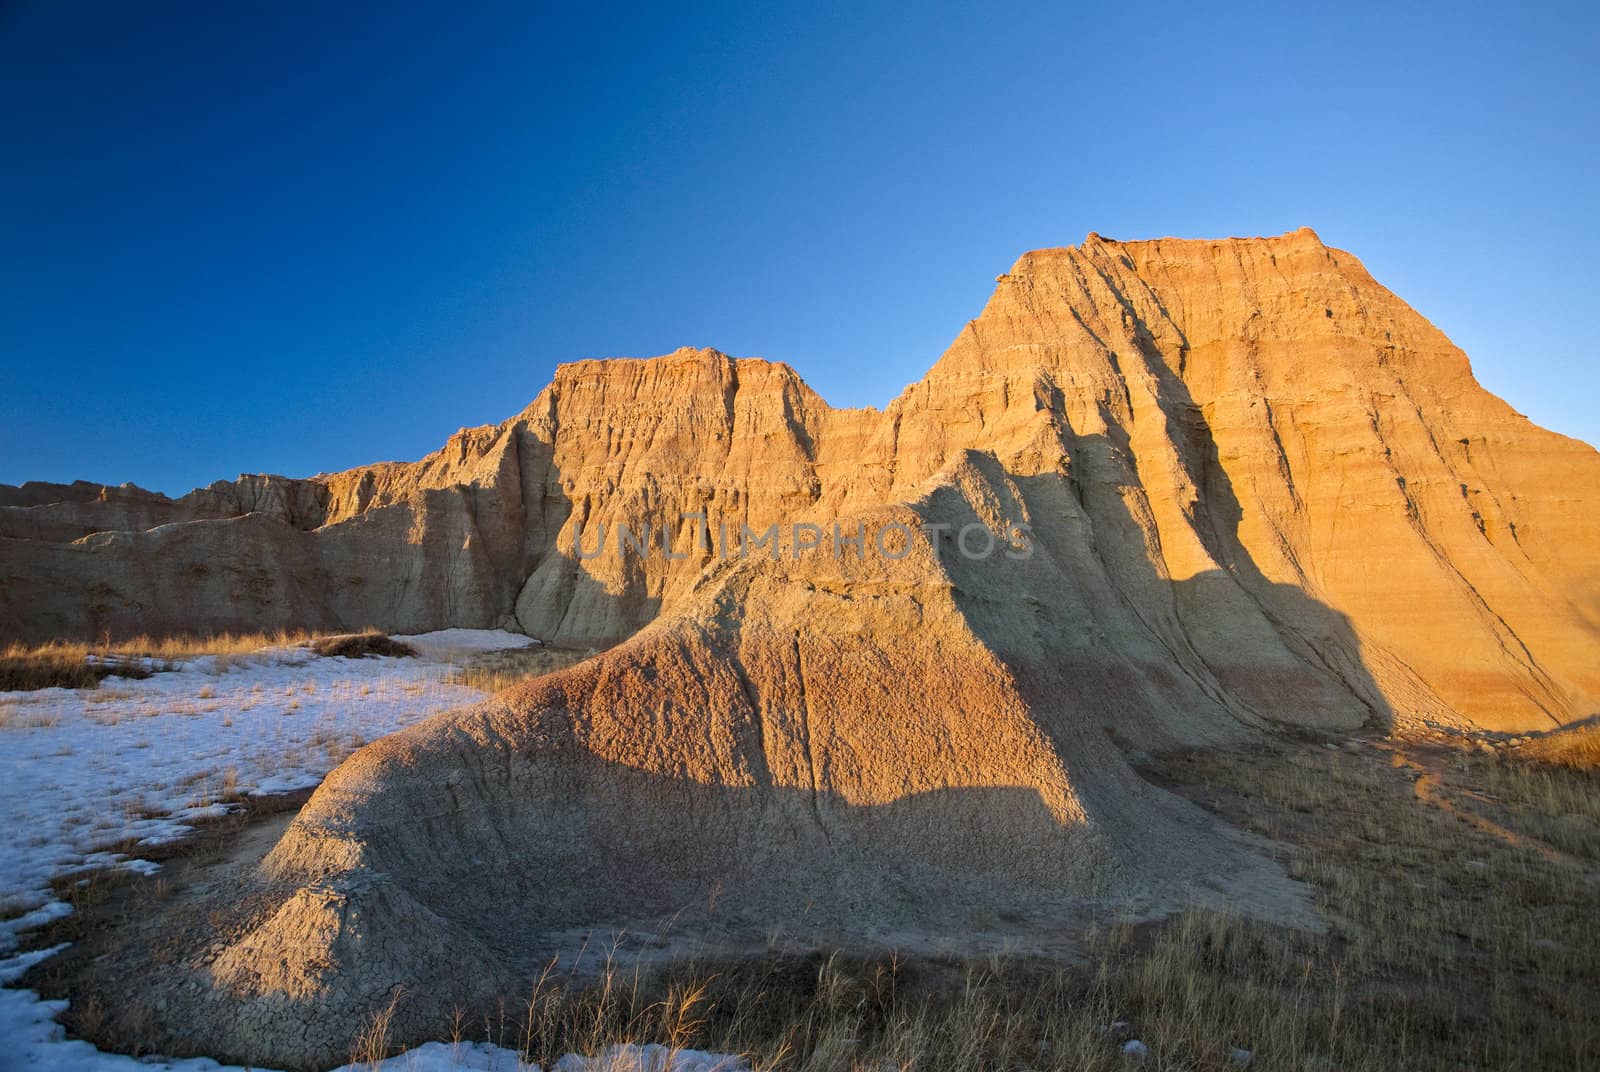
(1223, 485)
(1254, 462)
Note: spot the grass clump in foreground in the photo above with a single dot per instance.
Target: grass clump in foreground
(1451, 944)
(1577, 748)
(836, 1012)
(24, 668)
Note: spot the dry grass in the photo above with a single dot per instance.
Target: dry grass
(19, 716)
(1455, 942)
(1548, 787)
(372, 1045)
(1449, 947)
(496, 670)
(1199, 992)
(79, 665)
(67, 666)
(1577, 748)
(189, 646)
(361, 645)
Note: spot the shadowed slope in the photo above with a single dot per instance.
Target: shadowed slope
(836, 749)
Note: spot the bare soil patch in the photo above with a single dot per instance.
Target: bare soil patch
(125, 921)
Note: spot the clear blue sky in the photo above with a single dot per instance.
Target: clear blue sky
(270, 237)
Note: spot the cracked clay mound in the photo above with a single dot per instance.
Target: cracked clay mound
(1223, 484)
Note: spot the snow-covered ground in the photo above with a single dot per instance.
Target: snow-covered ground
(31, 1039)
(84, 769)
(81, 769)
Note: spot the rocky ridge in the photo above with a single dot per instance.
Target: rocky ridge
(1243, 440)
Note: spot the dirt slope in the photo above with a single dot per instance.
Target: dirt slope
(863, 751)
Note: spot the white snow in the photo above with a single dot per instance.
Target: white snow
(31, 1039)
(453, 644)
(83, 770)
(483, 1057)
(652, 1058)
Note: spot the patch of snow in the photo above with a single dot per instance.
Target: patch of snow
(83, 770)
(445, 645)
(34, 1040)
(13, 968)
(652, 1058)
(85, 773)
(48, 912)
(446, 1057)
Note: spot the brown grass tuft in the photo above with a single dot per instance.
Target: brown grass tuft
(372, 1045)
(1577, 747)
(361, 645)
(65, 666)
(496, 670)
(79, 665)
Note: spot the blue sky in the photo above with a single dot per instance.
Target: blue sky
(244, 238)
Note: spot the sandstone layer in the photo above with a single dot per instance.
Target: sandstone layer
(1225, 485)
